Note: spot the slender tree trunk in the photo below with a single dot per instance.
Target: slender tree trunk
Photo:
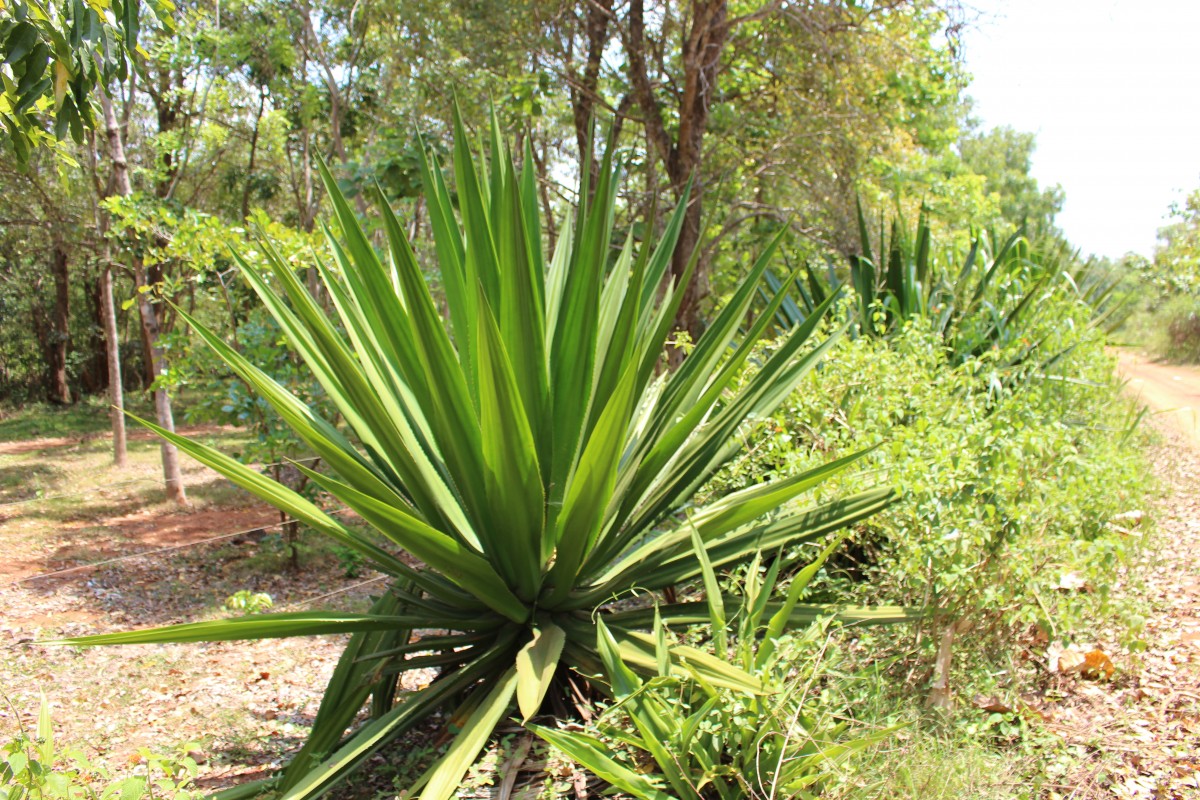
(147, 358)
(544, 191)
(106, 308)
(585, 86)
(308, 214)
(94, 375)
(941, 693)
(112, 349)
(60, 334)
(172, 474)
(42, 331)
(262, 102)
(682, 150)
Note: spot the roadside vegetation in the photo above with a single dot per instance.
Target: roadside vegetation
(732, 470)
(1165, 320)
(963, 479)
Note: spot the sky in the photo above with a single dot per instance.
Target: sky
(1112, 90)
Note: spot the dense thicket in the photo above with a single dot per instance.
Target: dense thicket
(783, 114)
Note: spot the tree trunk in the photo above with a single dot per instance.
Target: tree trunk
(162, 402)
(262, 102)
(682, 152)
(308, 213)
(585, 87)
(93, 377)
(166, 91)
(112, 349)
(539, 161)
(41, 330)
(941, 694)
(172, 474)
(60, 335)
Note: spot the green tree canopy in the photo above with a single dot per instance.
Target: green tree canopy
(55, 53)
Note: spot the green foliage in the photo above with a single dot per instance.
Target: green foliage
(855, 117)
(1007, 486)
(1100, 285)
(978, 180)
(803, 297)
(1176, 266)
(991, 298)
(1165, 321)
(32, 767)
(249, 602)
(55, 53)
(230, 401)
(1003, 157)
(527, 453)
(974, 301)
(716, 742)
(42, 231)
(1182, 334)
(192, 253)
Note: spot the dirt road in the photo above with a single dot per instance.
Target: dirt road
(1172, 391)
(1141, 729)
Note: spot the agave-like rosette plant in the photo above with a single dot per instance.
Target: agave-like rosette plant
(529, 452)
(972, 307)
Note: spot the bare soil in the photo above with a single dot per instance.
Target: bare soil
(1170, 390)
(133, 532)
(46, 444)
(97, 550)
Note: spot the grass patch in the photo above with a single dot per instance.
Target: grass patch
(26, 481)
(43, 420)
(932, 760)
(989, 745)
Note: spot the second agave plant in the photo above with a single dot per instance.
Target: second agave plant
(521, 464)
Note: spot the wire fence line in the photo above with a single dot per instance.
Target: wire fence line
(298, 604)
(156, 481)
(310, 600)
(159, 551)
(79, 492)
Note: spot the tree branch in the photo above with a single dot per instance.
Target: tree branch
(643, 91)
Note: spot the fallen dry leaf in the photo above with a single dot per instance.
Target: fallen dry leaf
(993, 705)
(1097, 665)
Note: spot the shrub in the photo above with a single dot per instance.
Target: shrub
(527, 453)
(249, 602)
(32, 767)
(715, 742)
(1183, 332)
(1007, 487)
(991, 296)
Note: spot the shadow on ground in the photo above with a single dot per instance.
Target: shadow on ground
(21, 482)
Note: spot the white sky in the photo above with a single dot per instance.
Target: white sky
(1112, 90)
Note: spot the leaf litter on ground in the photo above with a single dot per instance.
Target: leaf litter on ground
(1137, 714)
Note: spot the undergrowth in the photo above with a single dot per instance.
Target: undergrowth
(34, 767)
(1004, 534)
(1008, 482)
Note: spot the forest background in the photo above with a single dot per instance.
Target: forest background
(787, 115)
